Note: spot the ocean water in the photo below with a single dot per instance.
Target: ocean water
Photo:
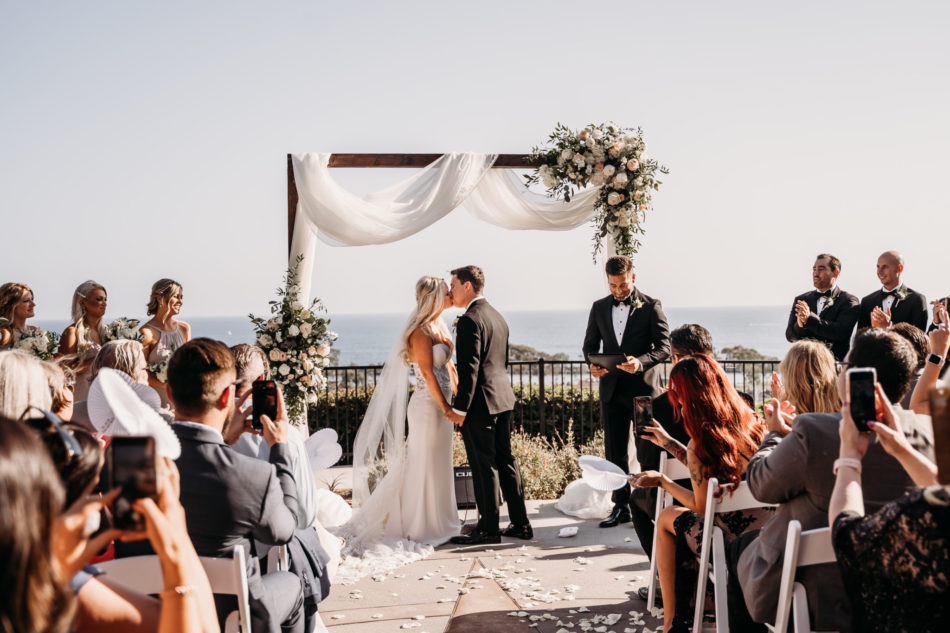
(365, 339)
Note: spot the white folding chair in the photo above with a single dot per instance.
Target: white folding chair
(226, 575)
(278, 559)
(801, 550)
(713, 546)
(674, 469)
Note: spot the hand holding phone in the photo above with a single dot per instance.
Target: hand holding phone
(642, 414)
(132, 468)
(861, 396)
(264, 395)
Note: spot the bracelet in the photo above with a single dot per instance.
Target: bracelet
(847, 462)
(179, 591)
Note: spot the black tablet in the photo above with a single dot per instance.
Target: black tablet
(607, 361)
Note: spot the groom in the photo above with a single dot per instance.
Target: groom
(482, 408)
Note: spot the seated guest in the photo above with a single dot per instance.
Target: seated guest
(16, 306)
(122, 355)
(231, 499)
(894, 302)
(23, 384)
(724, 433)
(62, 383)
(918, 340)
(810, 379)
(793, 468)
(895, 563)
(827, 313)
(939, 340)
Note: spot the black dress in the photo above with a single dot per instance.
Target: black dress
(896, 563)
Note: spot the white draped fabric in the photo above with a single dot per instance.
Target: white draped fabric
(341, 218)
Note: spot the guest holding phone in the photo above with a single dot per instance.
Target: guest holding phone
(895, 563)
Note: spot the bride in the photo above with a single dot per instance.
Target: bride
(403, 488)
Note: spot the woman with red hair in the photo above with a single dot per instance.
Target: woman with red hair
(724, 434)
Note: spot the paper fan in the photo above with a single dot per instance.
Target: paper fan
(323, 449)
(600, 474)
(117, 406)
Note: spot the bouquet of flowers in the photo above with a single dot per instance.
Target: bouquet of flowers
(39, 343)
(297, 344)
(160, 370)
(123, 328)
(605, 156)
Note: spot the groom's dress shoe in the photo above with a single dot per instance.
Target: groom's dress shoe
(618, 516)
(524, 532)
(477, 537)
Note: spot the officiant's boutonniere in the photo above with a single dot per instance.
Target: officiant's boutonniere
(902, 294)
(636, 304)
(830, 300)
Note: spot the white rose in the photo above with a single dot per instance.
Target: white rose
(305, 314)
(323, 350)
(597, 134)
(326, 362)
(306, 329)
(266, 340)
(274, 355)
(638, 182)
(615, 150)
(293, 330)
(630, 139)
(597, 179)
(637, 195)
(283, 370)
(620, 181)
(549, 181)
(609, 170)
(278, 337)
(332, 335)
(633, 164)
(567, 154)
(296, 305)
(292, 290)
(311, 350)
(613, 198)
(278, 319)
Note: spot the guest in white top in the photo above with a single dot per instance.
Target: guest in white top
(163, 333)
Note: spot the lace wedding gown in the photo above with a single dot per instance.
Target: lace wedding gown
(412, 508)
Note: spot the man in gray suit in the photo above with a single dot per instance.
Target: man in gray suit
(231, 499)
(793, 468)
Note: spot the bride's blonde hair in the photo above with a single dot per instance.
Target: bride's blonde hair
(429, 300)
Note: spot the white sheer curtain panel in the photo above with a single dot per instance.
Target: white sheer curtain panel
(502, 199)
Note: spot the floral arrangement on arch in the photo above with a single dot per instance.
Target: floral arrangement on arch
(606, 156)
(297, 344)
(123, 328)
(39, 343)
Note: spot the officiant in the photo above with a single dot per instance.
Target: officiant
(629, 323)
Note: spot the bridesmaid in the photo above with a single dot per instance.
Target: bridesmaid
(164, 333)
(84, 337)
(16, 306)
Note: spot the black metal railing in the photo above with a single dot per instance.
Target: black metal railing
(550, 395)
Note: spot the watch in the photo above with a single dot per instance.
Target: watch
(935, 359)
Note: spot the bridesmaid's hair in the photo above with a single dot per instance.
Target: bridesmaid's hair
(86, 288)
(429, 300)
(11, 294)
(163, 288)
(810, 378)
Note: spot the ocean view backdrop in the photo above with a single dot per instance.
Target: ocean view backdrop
(365, 339)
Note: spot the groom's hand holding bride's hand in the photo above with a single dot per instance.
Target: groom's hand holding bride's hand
(454, 417)
(275, 431)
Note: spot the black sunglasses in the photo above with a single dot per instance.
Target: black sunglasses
(69, 441)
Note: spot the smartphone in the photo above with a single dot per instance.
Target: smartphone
(940, 416)
(264, 396)
(131, 466)
(642, 414)
(861, 396)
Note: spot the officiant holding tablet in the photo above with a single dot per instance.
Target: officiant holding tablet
(630, 324)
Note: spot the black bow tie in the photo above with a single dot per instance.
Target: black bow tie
(616, 302)
(889, 293)
(826, 293)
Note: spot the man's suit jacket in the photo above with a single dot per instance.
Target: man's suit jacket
(481, 352)
(796, 473)
(646, 336)
(231, 499)
(833, 326)
(912, 309)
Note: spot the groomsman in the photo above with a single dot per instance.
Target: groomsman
(894, 302)
(631, 323)
(827, 313)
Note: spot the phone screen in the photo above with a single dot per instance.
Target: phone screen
(132, 466)
(264, 394)
(861, 393)
(642, 414)
(940, 415)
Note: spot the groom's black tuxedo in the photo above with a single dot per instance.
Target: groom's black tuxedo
(487, 400)
(911, 309)
(646, 335)
(833, 326)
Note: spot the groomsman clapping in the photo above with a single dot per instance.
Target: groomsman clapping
(827, 313)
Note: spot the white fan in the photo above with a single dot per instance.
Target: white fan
(117, 406)
(323, 449)
(600, 474)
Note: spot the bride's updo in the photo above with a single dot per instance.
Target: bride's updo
(430, 301)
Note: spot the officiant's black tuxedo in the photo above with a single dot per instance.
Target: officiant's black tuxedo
(833, 326)
(487, 400)
(912, 309)
(646, 335)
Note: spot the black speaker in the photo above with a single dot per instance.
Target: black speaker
(464, 488)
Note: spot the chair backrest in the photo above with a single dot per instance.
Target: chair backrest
(673, 468)
(802, 549)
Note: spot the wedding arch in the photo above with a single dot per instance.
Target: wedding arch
(319, 208)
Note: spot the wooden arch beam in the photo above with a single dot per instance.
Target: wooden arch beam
(504, 161)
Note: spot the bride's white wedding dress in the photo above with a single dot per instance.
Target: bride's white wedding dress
(412, 507)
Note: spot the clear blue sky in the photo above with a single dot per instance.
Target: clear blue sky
(144, 140)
